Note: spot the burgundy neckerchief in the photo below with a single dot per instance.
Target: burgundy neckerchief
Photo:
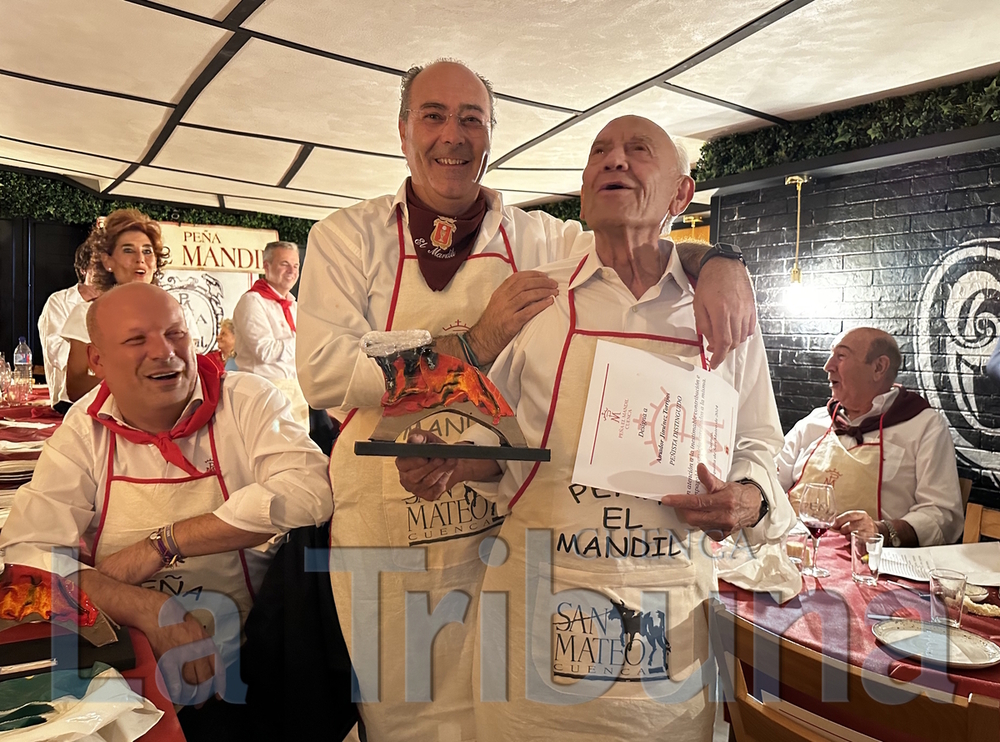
(211, 383)
(266, 290)
(442, 243)
(906, 406)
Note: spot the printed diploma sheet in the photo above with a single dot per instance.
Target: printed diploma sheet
(650, 421)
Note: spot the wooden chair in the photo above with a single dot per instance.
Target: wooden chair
(979, 522)
(965, 487)
(861, 701)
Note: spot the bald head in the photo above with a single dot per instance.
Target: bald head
(878, 343)
(115, 308)
(141, 348)
(862, 365)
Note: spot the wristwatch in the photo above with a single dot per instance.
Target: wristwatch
(723, 250)
(894, 540)
(764, 507)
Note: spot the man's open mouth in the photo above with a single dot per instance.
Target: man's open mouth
(164, 375)
(450, 161)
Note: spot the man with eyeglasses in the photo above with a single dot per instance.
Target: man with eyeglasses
(443, 254)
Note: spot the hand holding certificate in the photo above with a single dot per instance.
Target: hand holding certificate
(650, 421)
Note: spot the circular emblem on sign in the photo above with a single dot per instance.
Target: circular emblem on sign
(200, 295)
(958, 325)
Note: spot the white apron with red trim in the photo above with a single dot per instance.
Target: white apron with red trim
(290, 388)
(854, 473)
(597, 653)
(372, 509)
(134, 508)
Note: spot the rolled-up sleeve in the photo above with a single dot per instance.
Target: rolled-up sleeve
(291, 485)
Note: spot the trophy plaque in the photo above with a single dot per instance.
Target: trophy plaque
(419, 383)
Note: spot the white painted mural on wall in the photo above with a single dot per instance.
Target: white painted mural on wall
(958, 325)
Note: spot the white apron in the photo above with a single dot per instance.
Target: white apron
(854, 473)
(600, 652)
(134, 508)
(372, 509)
(300, 410)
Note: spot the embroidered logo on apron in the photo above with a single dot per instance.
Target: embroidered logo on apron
(609, 641)
(441, 237)
(459, 512)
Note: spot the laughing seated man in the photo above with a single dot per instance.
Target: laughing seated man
(171, 477)
(888, 455)
(630, 289)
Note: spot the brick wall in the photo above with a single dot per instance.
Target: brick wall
(912, 249)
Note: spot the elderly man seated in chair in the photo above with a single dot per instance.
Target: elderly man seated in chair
(888, 456)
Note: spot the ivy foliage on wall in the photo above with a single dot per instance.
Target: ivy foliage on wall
(890, 120)
(565, 210)
(53, 200)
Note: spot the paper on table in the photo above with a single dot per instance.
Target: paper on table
(25, 424)
(649, 422)
(979, 562)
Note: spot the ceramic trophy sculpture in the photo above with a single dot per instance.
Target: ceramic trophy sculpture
(421, 382)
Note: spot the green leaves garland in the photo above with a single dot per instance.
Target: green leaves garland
(53, 200)
(890, 120)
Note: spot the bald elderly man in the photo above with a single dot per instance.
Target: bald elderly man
(596, 610)
(888, 455)
(171, 477)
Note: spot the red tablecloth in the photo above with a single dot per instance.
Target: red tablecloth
(830, 616)
(142, 679)
(38, 410)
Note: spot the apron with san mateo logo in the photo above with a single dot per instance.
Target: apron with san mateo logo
(372, 509)
(854, 473)
(134, 508)
(597, 650)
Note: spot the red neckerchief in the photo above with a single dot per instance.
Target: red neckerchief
(265, 289)
(906, 406)
(211, 383)
(442, 243)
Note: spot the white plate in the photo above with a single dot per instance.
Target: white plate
(976, 594)
(937, 644)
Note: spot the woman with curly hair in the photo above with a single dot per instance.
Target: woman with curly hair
(127, 247)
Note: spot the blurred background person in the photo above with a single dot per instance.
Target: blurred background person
(55, 349)
(224, 355)
(264, 321)
(126, 248)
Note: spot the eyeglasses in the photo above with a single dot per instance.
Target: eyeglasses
(434, 118)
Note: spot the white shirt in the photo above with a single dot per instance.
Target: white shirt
(525, 371)
(348, 283)
(75, 326)
(919, 477)
(55, 349)
(276, 476)
(265, 344)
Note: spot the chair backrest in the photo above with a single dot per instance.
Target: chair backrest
(965, 487)
(980, 521)
(856, 701)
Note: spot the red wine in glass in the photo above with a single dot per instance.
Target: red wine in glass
(816, 529)
(817, 510)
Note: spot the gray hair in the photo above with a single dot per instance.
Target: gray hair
(406, 82)
(884, 344)
(228, 326)
(683, 158)
(271, 247)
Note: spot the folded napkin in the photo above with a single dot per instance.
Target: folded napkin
(25, 424)
(767, 569)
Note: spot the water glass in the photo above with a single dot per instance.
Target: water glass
(947, 596)
(797, 546)
(866, 556)
(18, 391)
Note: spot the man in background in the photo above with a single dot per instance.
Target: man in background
(888, 455)
(264, 323)
(55, 350)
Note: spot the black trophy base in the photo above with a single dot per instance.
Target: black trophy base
(447, 451)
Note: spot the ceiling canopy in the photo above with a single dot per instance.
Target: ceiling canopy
(289, 106)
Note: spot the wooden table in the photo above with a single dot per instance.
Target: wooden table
(831, 616)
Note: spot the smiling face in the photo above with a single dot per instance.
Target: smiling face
(633, 177)
(854, 381)
(445, 150)
(141, 347)
(282, 270)
(132, 259)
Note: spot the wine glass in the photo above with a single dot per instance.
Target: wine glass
(817, 510)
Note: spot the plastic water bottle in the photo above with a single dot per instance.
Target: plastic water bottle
(22, 370)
